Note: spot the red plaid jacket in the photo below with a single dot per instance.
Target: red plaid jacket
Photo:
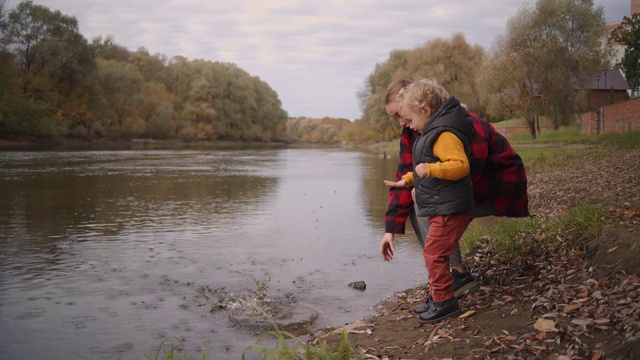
(400, 202)
(497, 173)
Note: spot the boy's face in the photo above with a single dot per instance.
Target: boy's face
(416, 120)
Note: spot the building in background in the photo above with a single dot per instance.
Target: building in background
(609, 88)
(617, 50)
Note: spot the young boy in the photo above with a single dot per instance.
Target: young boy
(442, 183)
(401, 205)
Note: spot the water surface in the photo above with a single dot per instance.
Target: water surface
(108, 253)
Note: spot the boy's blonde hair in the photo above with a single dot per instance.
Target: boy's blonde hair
(421, 94)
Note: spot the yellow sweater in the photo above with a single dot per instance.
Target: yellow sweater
(454, 164)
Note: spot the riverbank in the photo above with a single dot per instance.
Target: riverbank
(560, 303)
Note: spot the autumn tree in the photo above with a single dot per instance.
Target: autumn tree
(547, 58)
(53, 82)
(56, 63)
(318, 131)
(106, 48)
(373, 92)
(121, 85)
(453, 63)
(628, 35)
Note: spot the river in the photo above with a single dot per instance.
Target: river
(111, 254)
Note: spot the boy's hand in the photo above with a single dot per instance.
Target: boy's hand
(401, 183)
(422, 170)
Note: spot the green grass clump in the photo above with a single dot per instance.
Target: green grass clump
(512, 237)
(170, 352)
(580, 223)
(545, 156)
(563, 136)
(620, 141)
(572, 135)
(290, 347)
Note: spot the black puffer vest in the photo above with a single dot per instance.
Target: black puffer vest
(438, 196)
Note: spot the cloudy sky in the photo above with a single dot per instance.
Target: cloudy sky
(314, 54)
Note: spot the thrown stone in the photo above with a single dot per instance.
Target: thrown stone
(358, 285)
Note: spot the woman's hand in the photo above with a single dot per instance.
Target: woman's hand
(386, 247)
(401, 183)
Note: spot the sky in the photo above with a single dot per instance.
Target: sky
(315, 54)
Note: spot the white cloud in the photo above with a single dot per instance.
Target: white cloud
(316, 55)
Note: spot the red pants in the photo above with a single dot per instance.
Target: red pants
(444, 234)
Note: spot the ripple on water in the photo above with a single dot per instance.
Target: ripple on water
(30, 314)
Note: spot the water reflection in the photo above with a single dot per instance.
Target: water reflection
(105, 250)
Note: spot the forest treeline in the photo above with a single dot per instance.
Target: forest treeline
(56, 84)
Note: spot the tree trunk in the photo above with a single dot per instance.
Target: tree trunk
(531, 121)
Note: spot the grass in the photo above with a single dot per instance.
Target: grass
(572, 135)
(513, 237)
(563, 136)
(290, 347)
(521, 122)
(287, 347)
(545, 156)
(171, 352)
(620, 141)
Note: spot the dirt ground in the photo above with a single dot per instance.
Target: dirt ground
(560, 303)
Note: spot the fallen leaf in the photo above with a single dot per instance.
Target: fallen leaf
(467, 314)
(581, 322)
(597, 355)
(569, 308)
(541, 336)
(545, 325)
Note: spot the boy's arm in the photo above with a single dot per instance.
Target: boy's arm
(408, 177)
(454, 164)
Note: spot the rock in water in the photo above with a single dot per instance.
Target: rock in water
(358, 285)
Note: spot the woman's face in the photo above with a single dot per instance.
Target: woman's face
(415, 119)
(392, 110)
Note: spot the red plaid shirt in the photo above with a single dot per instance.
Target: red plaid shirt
(497, 173)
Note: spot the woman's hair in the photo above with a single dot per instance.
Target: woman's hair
(394, 88)
(422, 93)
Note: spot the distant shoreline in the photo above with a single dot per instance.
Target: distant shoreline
(152, 144)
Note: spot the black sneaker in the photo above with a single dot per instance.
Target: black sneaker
(439, 311)
(463, 283)
(424, 307)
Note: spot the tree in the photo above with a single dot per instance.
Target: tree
(547, 57)
(42, 41)
(453, 63)
(628, 35)
(121, 85)
(106, 48)
(374, 90)
(56, 64)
